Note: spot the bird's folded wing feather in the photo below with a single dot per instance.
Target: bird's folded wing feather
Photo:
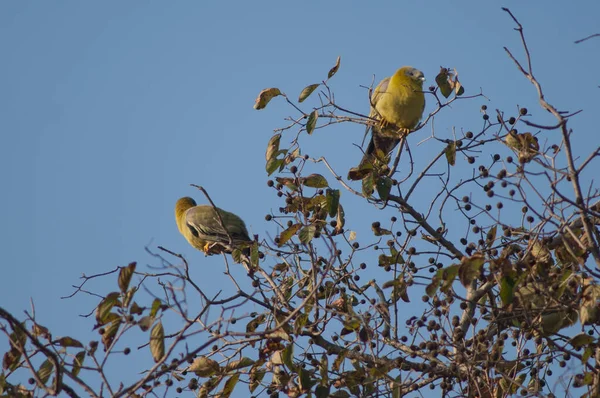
(373, 114)
(379, 90)
(205, 222)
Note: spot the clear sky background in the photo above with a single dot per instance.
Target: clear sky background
(109, 110)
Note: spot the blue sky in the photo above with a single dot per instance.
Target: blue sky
(109, 110)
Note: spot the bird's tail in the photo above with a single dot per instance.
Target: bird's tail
(377, 151)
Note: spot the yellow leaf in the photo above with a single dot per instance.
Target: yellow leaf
(125, 276)
(272, 146)
(204, 367)
(157, 342)
(312, 122)
(335, 68)
(265, 96)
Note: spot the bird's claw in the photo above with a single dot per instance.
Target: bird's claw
(383, 124)
(206, 248)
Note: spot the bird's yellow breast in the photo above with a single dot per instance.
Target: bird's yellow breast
(402, 111)
(401, 102)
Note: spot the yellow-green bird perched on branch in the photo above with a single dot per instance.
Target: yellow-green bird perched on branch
(203, 229)
(398, 103)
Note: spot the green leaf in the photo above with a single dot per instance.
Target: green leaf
(324, 370)
(236, 254)
(273, 164)
(45, 371)
(445, 276)
(255, 323)
(352, 323)
(287, 234)
(397, 388)
(367, 185)
(432, 288)
(125, 275)
(315, 181)
(156, 304)
(312, 122)
(304, 378)
(287, 356)
(208, 386)
(157, 341)
(507, 290)
(322, 391)
(105, 306)
(68, 342)
(447, 81)
(307, 233)
(337, 363)
(448, 276)
(384, 185)
(581, 340)
(469, 268)
(272, 147)
(254, 254)
(11, 360)
(229, 386)
(451, 153)
(442, 81)
(300, 322)
(335, 68)
(39, 330)
(111, 331)
(333, 201)
(256, 375)
(587, 354)
(265, 96)
(384, 260)
(308, 90)
(135, 309)
(239, 364)
(378, 231)
(78, 362)
(288, 182)
(128, 296)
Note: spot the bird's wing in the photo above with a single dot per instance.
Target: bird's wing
(204, 223)
(375, 96)
(379, 90)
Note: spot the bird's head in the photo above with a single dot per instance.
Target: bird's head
(413, 73)
(183, 205)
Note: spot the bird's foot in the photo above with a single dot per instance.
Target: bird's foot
(403, 131)
(207, 247)
(383, 124)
